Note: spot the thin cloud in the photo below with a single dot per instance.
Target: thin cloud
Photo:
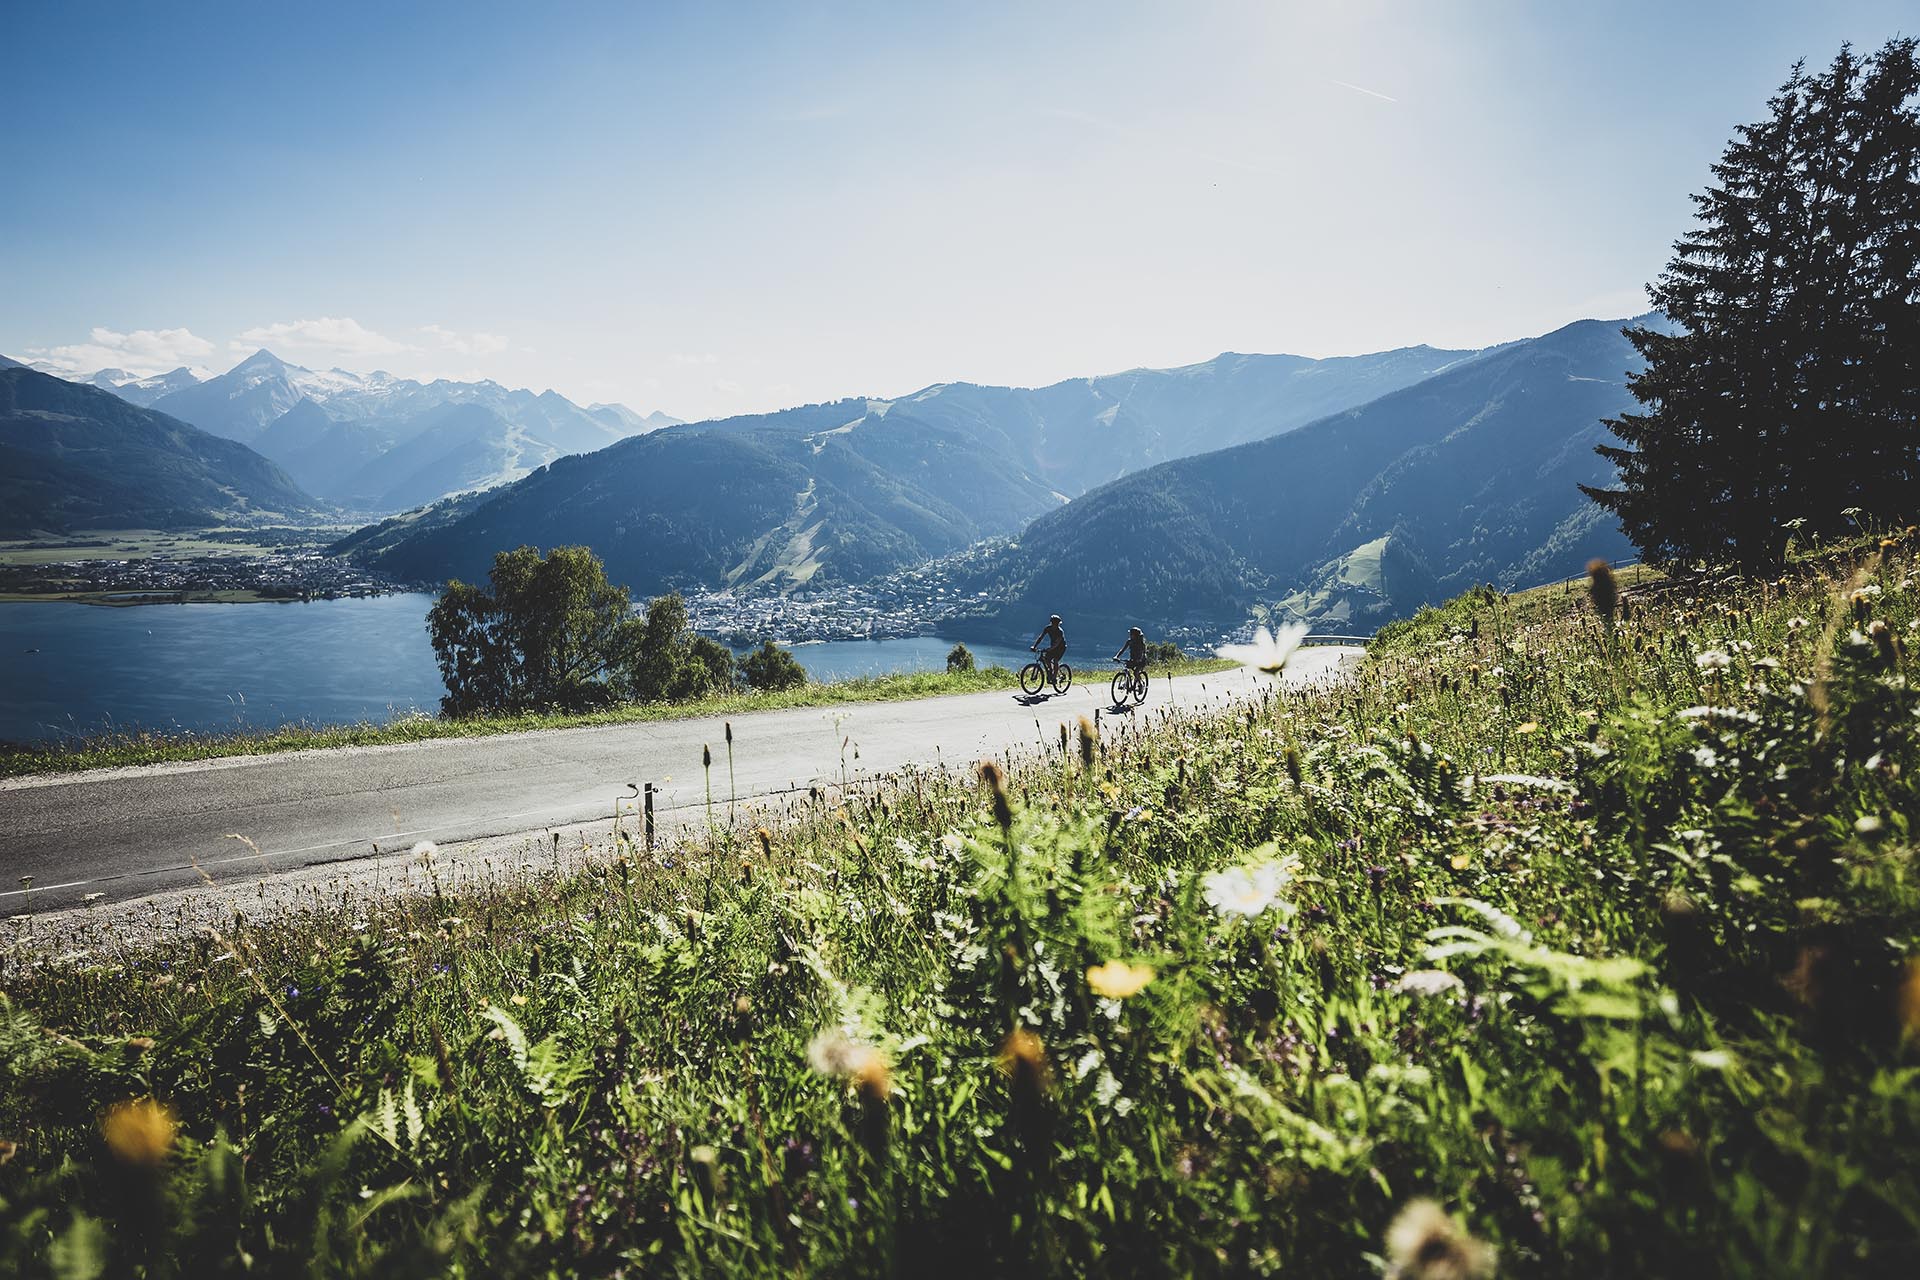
(1357, 88)
(142, 352)
(466, 344)
(326, 336)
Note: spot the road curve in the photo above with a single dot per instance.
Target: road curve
(130, 833)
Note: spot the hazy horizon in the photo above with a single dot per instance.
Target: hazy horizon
(711, 212)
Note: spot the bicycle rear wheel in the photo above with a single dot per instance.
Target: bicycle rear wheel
(1062, 678)
(1140, 685)
(1033, 678)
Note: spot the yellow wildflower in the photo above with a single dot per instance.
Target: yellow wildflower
(139, 1131)
(1117, 979)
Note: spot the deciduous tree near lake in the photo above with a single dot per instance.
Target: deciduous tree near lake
(770, 669)
(1788, 387)
(553, 633)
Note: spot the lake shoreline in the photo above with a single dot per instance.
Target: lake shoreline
(125, 672)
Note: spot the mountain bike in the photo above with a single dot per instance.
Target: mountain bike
(1129, 683)
(1034, 677)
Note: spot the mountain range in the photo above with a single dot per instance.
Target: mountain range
(376, 443)
(1469, 476)
(853, 488)
(77, 457)
(1342, 491)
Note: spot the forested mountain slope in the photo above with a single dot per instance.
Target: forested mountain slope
(76, 457)
(1469, 476)
(859, 486)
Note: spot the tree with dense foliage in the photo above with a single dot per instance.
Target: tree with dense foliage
(770, 669)
(554, 634)
(1788, 385)
(671, 663)
(551, 633)
(959, 660)
(1164, 653)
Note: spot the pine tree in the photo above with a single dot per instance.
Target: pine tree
(1787, 387)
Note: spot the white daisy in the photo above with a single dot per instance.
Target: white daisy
(1428, 982)
(1248, 890)
(1268, 652)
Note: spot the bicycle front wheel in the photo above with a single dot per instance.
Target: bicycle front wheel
(1122, 687)
(1032, 678)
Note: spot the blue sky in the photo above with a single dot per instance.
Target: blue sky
(723, 207)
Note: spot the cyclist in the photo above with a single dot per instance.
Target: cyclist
(1056, 649)
(1134, 650)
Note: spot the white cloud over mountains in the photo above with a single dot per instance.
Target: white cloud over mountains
(332, 339)
(466, 344)
(327, 337)
(143, 352)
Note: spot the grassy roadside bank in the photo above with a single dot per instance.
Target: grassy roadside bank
(1571, 947)
(140, 747)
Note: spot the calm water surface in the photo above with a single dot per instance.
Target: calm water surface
(67, 668)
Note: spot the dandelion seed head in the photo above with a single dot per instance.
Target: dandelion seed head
(1426, 1243)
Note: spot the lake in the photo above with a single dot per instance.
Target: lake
(68, 668)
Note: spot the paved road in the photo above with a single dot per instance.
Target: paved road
(129, 833)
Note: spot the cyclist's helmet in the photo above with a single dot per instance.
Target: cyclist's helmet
(1054, 618)
(1135, 631)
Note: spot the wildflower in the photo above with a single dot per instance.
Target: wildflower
(1116, 979)
(426, 851)
(1268, 653)
(1426, 1243)
(1248, 890)
(864, 1066)
(1428, 982)
(1024, 1058)
(1531, 726)
(1089, 741)
(139, 1131)
(1909, 1000)
(952, 844)
(996, 779)
(1885, 641)
(1713, 660)
(1798, 624)
(1602, 588)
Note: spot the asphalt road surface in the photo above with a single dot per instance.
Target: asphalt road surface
(131, 833)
